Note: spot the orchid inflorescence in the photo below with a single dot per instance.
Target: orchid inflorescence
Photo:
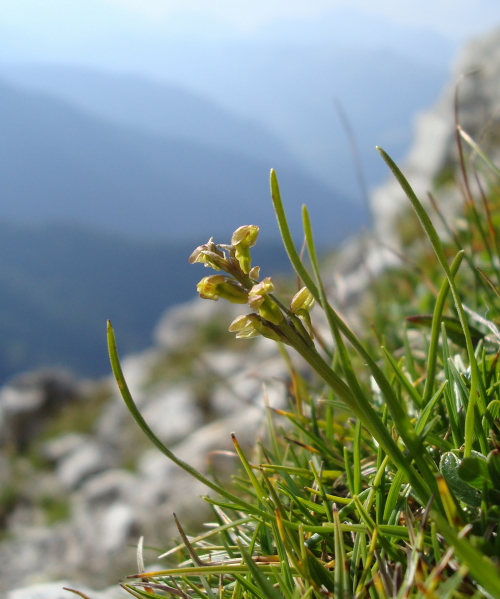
(240, 285)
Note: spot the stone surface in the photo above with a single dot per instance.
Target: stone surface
(28, 400)
(110, 506)
(174, 413)
(181, 324)
(86, 459)
(477, 71)
(55, 590)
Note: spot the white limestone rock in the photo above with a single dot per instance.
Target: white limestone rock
(61, 446)
(85, 460)
(181, 324)
(55, 590)
(434, 145)
(173, 413)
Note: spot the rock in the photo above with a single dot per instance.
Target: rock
(86, 459)
(59, 447)
(434, 146)
(173, 413)
(28, 400)
(106, 488)
(181, 325)
(55, 590)
(117, 525)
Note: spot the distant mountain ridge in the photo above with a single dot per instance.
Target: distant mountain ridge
(279, 97)
(97, 220)
(159, 108)
(59, 283)
(59, 163)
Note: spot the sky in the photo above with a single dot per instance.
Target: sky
(68, 21)
(453, 18)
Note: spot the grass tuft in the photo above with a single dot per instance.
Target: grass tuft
(382, 477)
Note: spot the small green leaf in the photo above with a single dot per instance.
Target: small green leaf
(463, 491)
(474, 470)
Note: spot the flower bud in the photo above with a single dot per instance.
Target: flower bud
(258, 300)
(264, 287)
(242, 240)
(301, 305)
(245, 236)
(250, 325)
(254, 273)
(209, 255)
(244, 326)
(217, 286)
(302, 301)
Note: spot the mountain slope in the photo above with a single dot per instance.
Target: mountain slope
(57, 162)
(59, 284)
(153, 107)
(286, 88)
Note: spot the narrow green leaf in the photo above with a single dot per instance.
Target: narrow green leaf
(438, 250)
(410, 389)
(493, 461)
(362, 407)
(453, 328)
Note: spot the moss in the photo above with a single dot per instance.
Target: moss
(445, 177)
(55, 508)
(10, 495)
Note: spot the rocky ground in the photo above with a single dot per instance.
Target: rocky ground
(80, 481)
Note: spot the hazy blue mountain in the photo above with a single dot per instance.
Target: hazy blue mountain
(59, 284)
(153, 107)
(57, 162)
(286, 88)
(290, 89)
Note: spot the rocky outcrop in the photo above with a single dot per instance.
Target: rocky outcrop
(117, 487)
(56, 590)
(434, 152)
(28, 401)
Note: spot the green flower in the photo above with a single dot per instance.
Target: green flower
(302, 304)
(217, 286)
(302, 301)
(209, 255)
(251, 325)
(242, 240)
(258, 300)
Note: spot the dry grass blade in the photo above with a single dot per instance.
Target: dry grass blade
(79, 593)
(187, 543)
